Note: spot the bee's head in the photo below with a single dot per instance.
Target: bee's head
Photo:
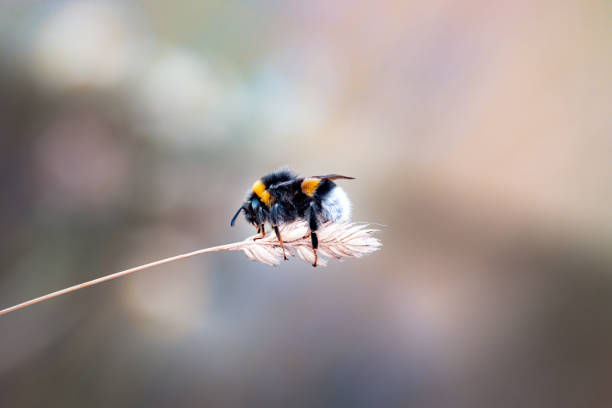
(249, 213)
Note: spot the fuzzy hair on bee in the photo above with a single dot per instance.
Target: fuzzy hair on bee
(282, 197)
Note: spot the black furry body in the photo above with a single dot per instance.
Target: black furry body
(282, 197)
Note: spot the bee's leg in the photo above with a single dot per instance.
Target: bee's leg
(315, 245)
(261, 230)
(260, 219)
(280, 239)
(274, 219)
(314, 226)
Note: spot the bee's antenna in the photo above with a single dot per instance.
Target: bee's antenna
(236, 215)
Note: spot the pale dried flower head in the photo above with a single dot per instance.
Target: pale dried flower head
(336, 240)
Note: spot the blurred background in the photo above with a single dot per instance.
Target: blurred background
(480, 136)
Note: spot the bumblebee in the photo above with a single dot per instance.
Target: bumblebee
(282, 197)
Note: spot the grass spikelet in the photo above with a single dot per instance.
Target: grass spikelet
(336, 240)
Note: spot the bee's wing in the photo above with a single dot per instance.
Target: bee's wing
(334, 177)
(282, 184)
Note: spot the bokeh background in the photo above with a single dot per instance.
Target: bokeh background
(480, 136)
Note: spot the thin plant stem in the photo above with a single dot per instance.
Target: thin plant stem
(227, 247)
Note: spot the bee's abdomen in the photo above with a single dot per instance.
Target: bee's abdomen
(335, 205)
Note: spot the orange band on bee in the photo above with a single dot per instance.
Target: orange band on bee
(309, 186)
(259, 188)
